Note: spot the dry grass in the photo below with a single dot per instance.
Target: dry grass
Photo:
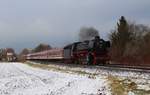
(60, 69)
(124, 86)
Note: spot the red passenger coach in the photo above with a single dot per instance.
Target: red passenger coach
(52, 54)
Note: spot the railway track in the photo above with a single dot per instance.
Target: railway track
(116, 67)
(126, 68)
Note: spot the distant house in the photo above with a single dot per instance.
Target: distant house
(10, 54)
(7, 54)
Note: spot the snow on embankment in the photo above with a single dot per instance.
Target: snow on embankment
(120, 81)
(21, 79)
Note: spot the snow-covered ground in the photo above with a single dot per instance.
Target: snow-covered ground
(128, 81)
(21, 79)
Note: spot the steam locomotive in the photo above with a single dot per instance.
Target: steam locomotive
(92, 52)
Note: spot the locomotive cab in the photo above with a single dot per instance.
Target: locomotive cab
(68, 53)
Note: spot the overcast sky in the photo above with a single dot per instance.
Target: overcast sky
(26, 23)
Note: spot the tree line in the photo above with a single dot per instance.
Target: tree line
(130, 43)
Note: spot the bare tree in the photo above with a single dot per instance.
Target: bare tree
(42, 47)
(25, 51)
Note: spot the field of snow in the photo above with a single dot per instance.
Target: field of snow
(21, 79)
